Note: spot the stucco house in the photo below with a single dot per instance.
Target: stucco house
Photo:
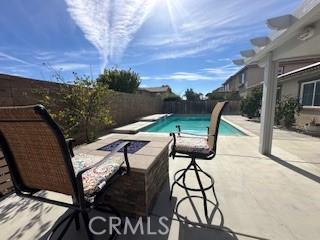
(299, 78)
(303, 83)
(162, 91)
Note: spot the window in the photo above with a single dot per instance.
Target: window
(310, 93)
(242, 78)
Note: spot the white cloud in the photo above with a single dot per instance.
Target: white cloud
(199, 26)
(219, 73)
(4, 56)
(216, 44)
(189, 76)
(70, 66)
(180, 76)
(109, 25)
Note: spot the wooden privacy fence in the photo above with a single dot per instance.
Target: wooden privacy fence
(198, 107)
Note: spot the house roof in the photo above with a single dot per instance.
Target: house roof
(309, 68)
(161, 89)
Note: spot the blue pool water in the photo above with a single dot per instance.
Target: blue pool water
(192, 124)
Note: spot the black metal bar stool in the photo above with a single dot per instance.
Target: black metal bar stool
(197, 147)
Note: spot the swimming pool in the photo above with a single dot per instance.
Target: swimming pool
(192, 124)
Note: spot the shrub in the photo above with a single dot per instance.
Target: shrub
(286, 109)
(120, 80)
(251, 105)
(79, 106)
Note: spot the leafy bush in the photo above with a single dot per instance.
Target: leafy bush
(120, 80)
(79, 106)
(286, 109)
(251, 105)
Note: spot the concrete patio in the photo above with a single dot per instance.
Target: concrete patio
(260, 197)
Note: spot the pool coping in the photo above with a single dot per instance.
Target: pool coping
(244, 132)
(241, 129)
(139, 126)
(154, 117)
(132, 128)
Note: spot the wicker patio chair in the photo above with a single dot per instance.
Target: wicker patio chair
(195, 147)
(39, 158)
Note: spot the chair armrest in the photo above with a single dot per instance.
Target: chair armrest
(172, 134)
(194, 134)
(80, 173)
(70, 142)
(173, 148)
(114, 151)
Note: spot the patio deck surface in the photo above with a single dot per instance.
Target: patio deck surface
(260, 197)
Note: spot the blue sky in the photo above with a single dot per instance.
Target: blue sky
(182, 43)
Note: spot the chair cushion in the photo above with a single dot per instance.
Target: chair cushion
(192, 145)
(96, 178)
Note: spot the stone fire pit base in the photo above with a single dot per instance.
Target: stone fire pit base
(135, 194)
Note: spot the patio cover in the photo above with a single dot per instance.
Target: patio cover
(299, 41)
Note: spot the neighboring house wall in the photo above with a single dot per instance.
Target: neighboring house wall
(163, 91)
(231, 85)
(251, 76)
(291, 86)
(254, 76)
(247, 78)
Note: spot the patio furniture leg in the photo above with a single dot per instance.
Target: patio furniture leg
(66, 227)
(177, 180)
(85, 218)
(212, 182)
(77, 221)
(102, 208)
(54, 228)
(202, 190)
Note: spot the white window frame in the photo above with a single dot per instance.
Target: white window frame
(227, 87)
(242, 78)
(314, 93)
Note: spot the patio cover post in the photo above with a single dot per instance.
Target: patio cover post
(268, 105)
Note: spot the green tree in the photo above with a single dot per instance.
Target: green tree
(251, 105)
(120, 80)
(191, 95)
(77, 107)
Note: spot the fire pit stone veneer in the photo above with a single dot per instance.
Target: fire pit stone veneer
(135, 194)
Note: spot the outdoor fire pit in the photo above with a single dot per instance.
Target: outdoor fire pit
(148, 157)
(135, 145)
